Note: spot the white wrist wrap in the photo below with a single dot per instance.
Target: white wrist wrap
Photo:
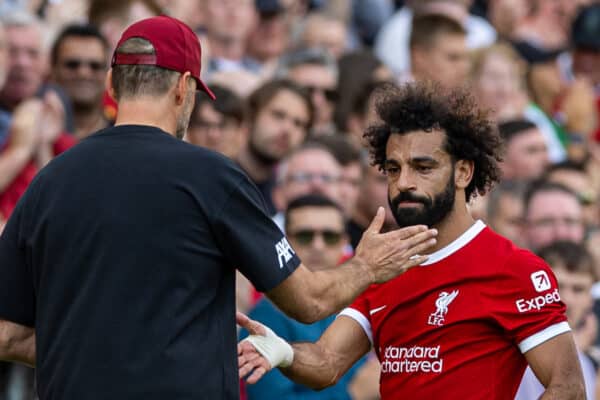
(277, 351)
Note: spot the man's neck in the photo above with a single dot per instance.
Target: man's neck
(226, 48)
(258, 171)
(88, 119)
(453, 226)
(148, 111)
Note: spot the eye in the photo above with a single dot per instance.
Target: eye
(423, 168)
(391, 170)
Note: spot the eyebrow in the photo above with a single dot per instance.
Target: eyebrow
(416, 160)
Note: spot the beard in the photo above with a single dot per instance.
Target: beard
(262, 156)
(184, 119)
(430, 214)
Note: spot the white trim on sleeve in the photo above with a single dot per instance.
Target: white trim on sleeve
(361, 319)
(543, 335)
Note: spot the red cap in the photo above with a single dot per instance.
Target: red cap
(176, 46)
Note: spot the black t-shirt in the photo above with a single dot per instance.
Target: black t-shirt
(122, 255)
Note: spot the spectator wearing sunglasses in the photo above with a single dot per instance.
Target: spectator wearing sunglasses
(316, 230)
(310, 169)
(316, 70)
(79, 59)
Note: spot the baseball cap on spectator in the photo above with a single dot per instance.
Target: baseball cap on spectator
(269, 7)
(176, 46)
(585, 31)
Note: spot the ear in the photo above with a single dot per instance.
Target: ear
(182, 87)
(108, 84)
(463, 173)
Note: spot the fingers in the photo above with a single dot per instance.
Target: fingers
(241, 319)
(408, 232)
(377, 222)
(409, 238)
(251, 362)
(253, 327)
(256, 375)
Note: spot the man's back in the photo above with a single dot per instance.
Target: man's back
(132, 279)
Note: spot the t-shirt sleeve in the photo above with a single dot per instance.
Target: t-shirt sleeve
(17, 294)
(251, 241)
(359, 311)
(527, 304)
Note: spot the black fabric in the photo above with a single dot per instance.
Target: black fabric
(122, 254)
(355, 232)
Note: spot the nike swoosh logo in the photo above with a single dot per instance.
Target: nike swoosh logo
(373, 311)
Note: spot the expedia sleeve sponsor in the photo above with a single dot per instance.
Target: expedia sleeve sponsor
(538, 302)
(411, 360)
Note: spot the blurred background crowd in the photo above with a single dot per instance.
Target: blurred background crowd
(296, 83)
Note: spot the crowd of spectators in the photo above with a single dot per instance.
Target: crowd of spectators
(296, 83)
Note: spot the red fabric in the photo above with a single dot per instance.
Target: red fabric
(177, 47)
(456, 327)
(110, 106)
(14, 191)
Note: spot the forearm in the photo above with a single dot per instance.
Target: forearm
(564, 392)
(12, 161)
(17, 343)
(323, 292)
(312, 367)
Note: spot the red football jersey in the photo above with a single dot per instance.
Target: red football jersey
(457, 326)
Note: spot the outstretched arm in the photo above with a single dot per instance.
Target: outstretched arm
(17, 343)
(309, 296)
(316, 365)
(556, 365)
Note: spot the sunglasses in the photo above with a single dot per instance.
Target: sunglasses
(305, 237)
(74, 64)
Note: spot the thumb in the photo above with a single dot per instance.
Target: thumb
(253, 327)
(377, 223)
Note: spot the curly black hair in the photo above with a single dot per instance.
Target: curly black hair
(470, 134)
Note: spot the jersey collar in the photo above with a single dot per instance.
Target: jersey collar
(456, 245)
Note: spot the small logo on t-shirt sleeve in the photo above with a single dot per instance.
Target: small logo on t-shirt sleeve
(284, 252)
(540, 281)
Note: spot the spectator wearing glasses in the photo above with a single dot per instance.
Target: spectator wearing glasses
(79, 60)
(315, 227)
(551, 212)
(310, 169)
(219, 125)
(316, 70)
(349, 157)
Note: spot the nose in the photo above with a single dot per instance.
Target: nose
(318, 242)
(405, 181)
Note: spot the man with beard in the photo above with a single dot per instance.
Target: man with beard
(280, 114)
(118, 264)
(467, 322)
